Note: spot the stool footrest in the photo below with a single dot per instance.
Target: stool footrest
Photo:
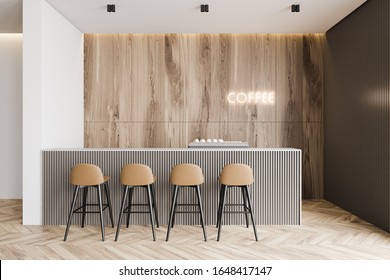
(79, 210)
(236, 212)
(137, 212)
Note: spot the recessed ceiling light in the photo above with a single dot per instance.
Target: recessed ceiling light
(110, 8)
(204, 8)
(295, 8)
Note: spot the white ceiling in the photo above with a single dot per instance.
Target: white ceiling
(184, 16)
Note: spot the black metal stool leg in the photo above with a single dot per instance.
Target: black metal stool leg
(75, 193)
(121, 212)
(85, 193)
(221, 212)
(250, 211)
(155, 205)
(151, 212)
(219, 204)
(201, 212)
(99, 194)
(107, 191)
(129, 204)
(244, 198)
(223, 188)
(172, 212)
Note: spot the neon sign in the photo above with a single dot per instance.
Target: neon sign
(251, 98)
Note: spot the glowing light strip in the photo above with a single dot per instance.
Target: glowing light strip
(4, 35)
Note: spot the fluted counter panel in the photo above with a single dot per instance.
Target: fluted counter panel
(276, 192)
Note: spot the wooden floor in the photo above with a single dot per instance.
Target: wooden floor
(327, 232)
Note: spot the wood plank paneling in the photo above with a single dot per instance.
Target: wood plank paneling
(164, 90)
(289, 69)
(290, 135)
(220, 79)
(313, 160)
(151, 134)
(101, 135)
(313, 65)
(199, 97)
(102, 91)
(144, 100)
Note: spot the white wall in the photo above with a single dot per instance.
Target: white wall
(52, 94)
(11, 62)
(31, 112)
(62, 82)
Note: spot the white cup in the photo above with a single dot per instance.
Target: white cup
(208, 140)
(202, 140)
(196, 140)
(220, 140)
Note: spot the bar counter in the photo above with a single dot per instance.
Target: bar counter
(275, 194)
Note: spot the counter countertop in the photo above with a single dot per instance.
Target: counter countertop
(170, 149)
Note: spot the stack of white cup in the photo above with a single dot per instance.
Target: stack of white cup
(208, 140)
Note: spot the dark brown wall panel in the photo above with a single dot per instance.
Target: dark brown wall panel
(164, 90)
(357, 111)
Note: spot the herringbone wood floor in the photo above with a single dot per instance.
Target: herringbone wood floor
(327, 232)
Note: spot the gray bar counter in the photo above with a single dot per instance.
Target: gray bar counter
(276, 192)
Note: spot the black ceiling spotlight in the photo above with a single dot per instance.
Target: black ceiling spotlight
(204, 8)
(295, 8)
(110, 8)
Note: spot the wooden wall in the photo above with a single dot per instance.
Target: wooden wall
(164, 90)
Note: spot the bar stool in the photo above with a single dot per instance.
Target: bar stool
(137, 176)
(84, 176)
(235, 176)
(186, 176)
